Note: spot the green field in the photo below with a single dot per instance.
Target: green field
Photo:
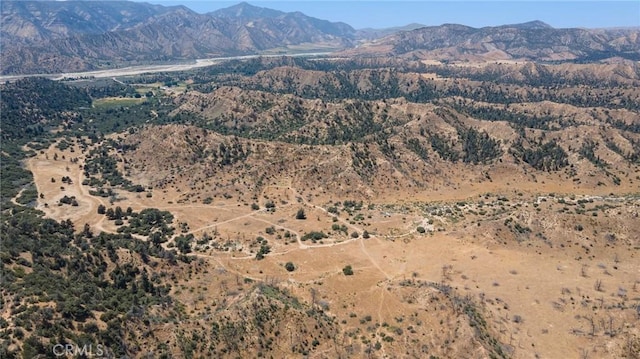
(117, 101)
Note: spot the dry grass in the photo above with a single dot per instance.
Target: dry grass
(529, 285)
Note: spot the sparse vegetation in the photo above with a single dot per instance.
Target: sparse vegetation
(290, 267)
(180, 260)
(314, 236)
(347, 270)
(300, 214)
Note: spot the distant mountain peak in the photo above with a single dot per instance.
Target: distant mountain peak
(531, 25)
(246, 11)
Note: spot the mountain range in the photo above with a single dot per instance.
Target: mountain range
(533, 40)
(59, 36)
(55, 37)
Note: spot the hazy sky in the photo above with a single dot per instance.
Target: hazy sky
(359, 13)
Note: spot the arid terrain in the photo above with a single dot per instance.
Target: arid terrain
(566, 285)
(485, 210)
(255, 183)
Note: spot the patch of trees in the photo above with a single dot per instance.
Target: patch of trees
(444, 148)
(548, 156)
(230, 153)
(425, 92)
(183, 243)
(108, 119)
(30, 107)
(148, 222)
(270, 206)
(100, 88)
(632, 156)
(496, 113)
(415, 146)
(63, 144)
(69, 200)
(339, 228)
(351, 205)
(587, 150)
(264, 250)
(579, 96)
(29, 196)
(478, 147)
(363, 161)
(387, 149)
(101, 192)
(341, 80)
(634, 126)
(69, 279)
(14, 176)
(359, 123)
(100, 162)
(314, 236)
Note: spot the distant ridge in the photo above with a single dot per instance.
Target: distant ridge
(246, 11)
(531, 25)
(535, 40)
(371, 33)
(33, 21)
(61, 36)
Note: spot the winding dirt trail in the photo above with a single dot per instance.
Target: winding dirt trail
(14, 200)
(346, 223)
